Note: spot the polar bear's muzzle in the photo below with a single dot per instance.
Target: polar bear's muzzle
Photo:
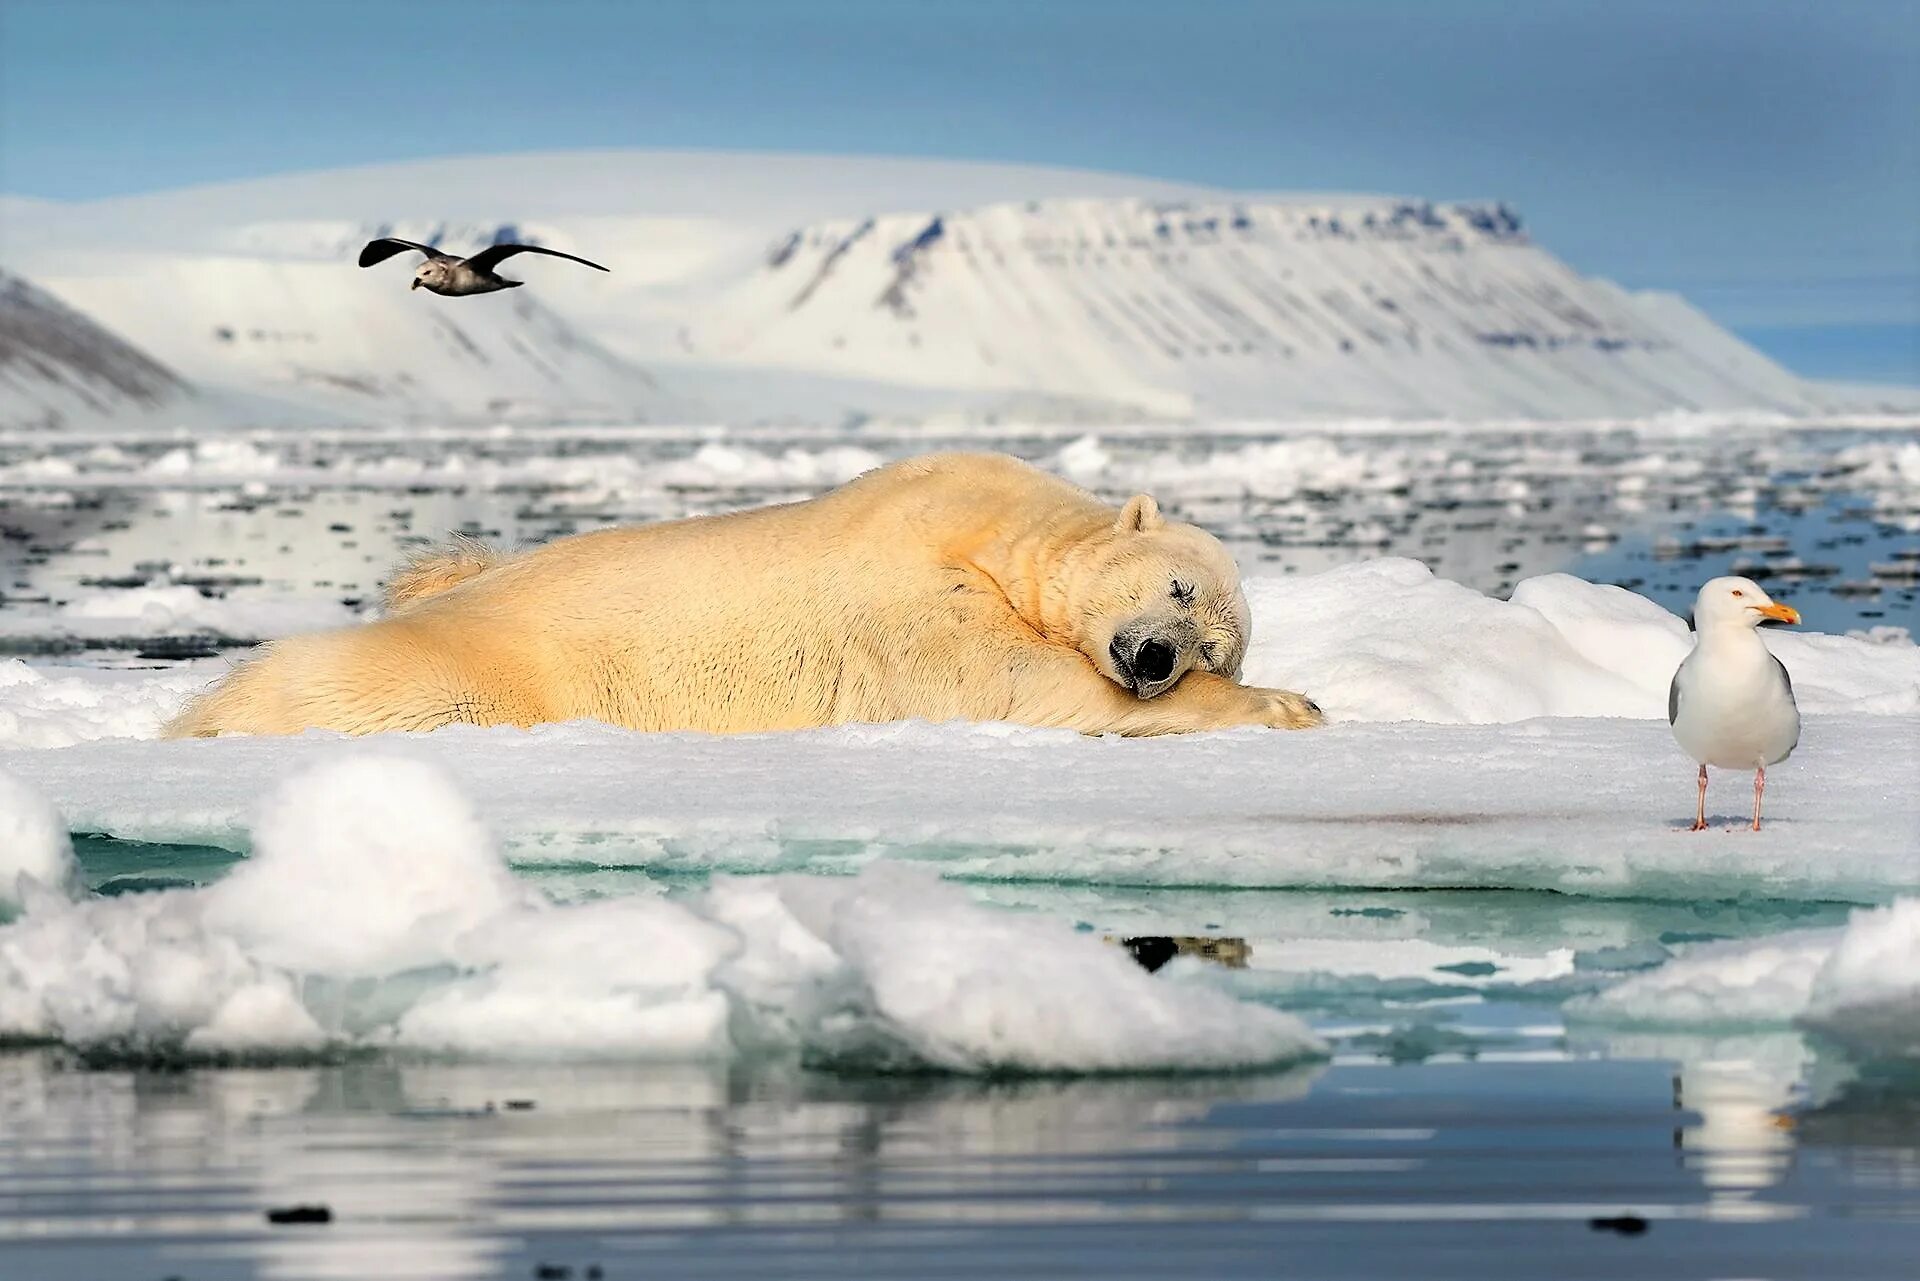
(1147, 666)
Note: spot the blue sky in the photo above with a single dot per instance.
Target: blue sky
(1761, 156)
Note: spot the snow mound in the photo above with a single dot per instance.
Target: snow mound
(376, 913)
(1385, 640)
(43, 707)
(34, 848)
(365, 865)
(1859, 986)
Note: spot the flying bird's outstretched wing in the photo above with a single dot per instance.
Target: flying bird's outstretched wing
(490, 257)
(385, 248)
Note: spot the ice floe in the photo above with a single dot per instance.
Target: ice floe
(1858, 985)
(375, 913)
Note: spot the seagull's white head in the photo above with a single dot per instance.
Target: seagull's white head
(1738, 602)
(429, 273)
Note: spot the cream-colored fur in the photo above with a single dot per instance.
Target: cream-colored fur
(950, 587)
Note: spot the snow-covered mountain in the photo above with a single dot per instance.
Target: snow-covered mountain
(1233, 308)
(750, 287)
(60, 369)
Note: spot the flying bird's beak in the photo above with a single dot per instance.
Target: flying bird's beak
(1778, 613)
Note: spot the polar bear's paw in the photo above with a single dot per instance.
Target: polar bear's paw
(1284, 709)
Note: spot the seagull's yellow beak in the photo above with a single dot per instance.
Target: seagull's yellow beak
(1778, 613)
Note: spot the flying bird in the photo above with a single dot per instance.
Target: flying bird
(1731, 703)
(454, 277)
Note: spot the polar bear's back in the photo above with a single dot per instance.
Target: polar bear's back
(857, 605)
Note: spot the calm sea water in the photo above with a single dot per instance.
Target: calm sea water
(1530, 1166)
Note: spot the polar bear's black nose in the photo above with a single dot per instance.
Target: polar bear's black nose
(1154, 662)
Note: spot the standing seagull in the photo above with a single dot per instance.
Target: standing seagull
(1731, 703)
(445, 274)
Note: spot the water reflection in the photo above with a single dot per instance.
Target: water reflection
(469, 1170)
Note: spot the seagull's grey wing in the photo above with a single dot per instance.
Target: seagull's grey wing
(386, 247)
(1785, 679)
(490, 257)
(1673, 699)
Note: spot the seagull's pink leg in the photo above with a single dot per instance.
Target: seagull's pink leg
(1759, 786)
(1700, 814)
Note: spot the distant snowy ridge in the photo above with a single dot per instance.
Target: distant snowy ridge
(60, 369)
(752, 288)
(1231, 308)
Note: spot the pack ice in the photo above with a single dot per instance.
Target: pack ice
(376, 911)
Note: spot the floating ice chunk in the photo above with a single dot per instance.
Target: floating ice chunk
(621, 978)
(733, 466)
(925, 977)
(366, 865)
(1859, 985)
(130, 971)
(1271, 469)
(1867, 994)
(1752, 983)
(372, 864)
(263, 1017)
(161, 609)
(34, 847)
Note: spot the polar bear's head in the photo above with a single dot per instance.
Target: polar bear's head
(1157, 599)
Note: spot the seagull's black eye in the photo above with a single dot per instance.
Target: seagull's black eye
(1738, 592)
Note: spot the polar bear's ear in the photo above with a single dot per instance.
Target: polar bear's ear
(1141, 515)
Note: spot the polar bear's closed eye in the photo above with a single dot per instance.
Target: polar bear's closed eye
(1169, 603)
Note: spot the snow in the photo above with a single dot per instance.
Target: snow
(369, 867)
(1477, 742)
(364, 865)
(34, 847)
(1858, 985)
(1387, 640)
(751, 287)
(60, 371)
(924, 977)
(1579, 806)
(56, 707)
(1867, 993)
(1747, 984)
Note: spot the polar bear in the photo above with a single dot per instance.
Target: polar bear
(950, 587)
